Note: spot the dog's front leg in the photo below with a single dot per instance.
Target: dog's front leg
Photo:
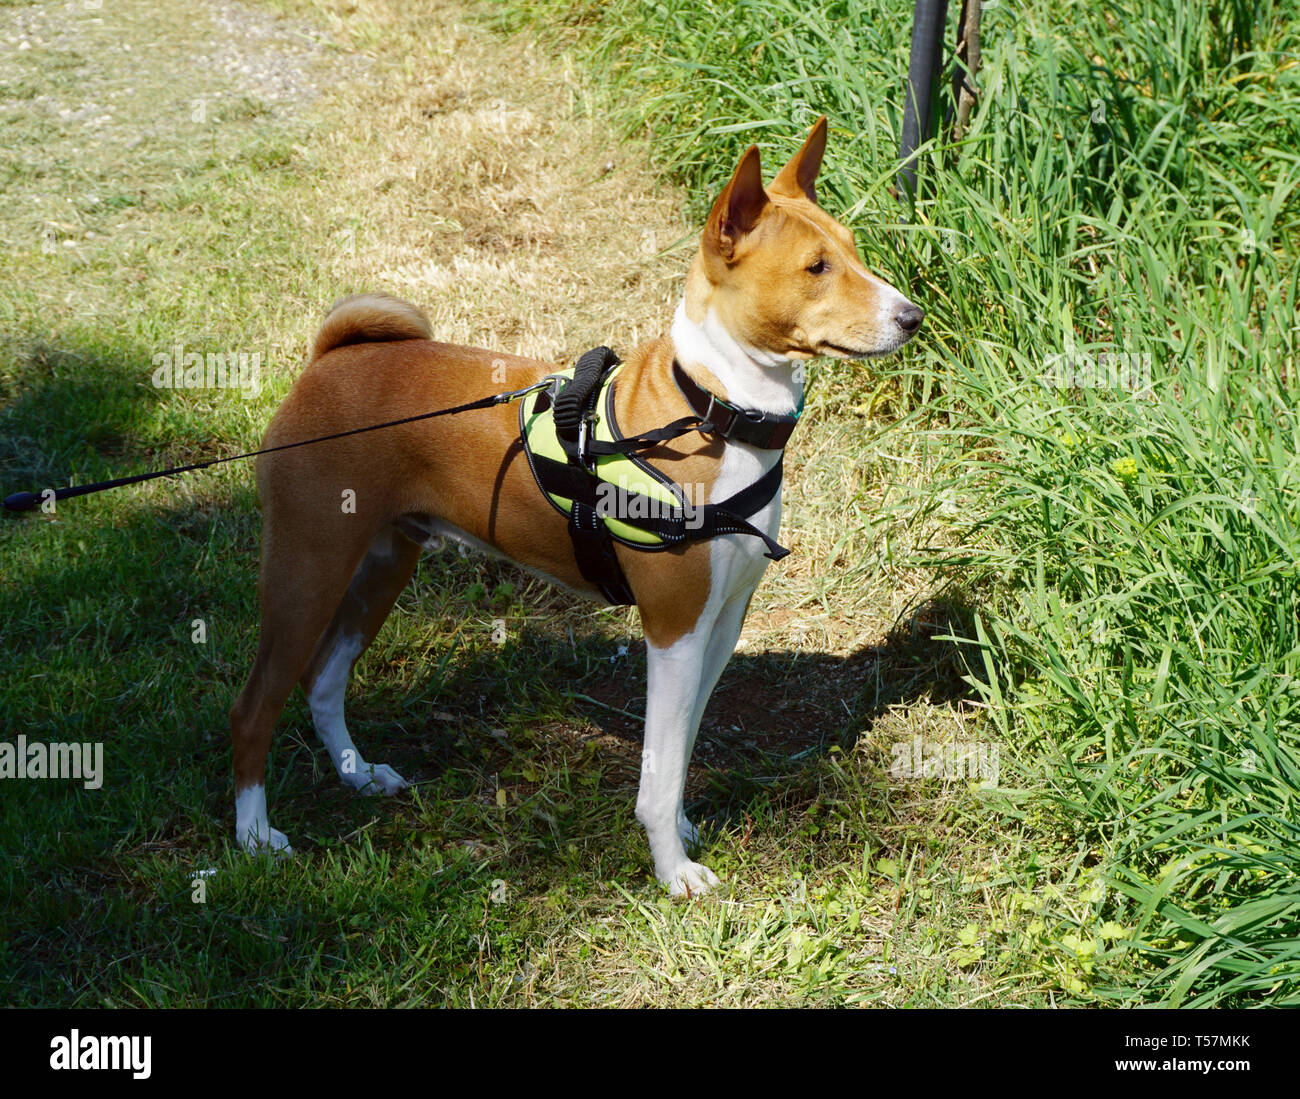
(672, 688)
(681, 677)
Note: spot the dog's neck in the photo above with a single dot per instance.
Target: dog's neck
(742, 376)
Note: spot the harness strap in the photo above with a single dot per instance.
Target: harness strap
(676, 525)
(765, 430)
(632, 444)
(593, 549)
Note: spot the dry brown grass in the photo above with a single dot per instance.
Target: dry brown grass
(478, 188)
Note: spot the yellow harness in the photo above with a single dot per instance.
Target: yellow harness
(623, 472)
(593, 475)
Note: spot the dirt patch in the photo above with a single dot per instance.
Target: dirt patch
(279, 60)
(219, 53)
(106, 106)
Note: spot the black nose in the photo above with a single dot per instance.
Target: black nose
(909, 318)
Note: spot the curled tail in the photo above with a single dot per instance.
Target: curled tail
(370, 318)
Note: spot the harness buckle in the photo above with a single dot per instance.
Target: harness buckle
(710, 424)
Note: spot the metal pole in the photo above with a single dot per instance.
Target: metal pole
(928, 21)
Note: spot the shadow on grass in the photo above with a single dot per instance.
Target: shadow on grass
(71, 410)
(102, 637)
(773, 715)
(97, 615)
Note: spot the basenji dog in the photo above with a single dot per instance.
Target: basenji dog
(775, 281)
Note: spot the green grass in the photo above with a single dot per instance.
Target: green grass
(1100, 585)
(1128, 186)
(514, 874)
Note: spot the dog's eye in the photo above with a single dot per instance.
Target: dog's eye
(818, 268)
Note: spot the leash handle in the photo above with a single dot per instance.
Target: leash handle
(571, 403)
(21, 501)
(29, 501)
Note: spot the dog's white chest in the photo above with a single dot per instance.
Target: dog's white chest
(738, 562)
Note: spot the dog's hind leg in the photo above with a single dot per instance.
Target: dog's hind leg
(299, 592)
(374, 588)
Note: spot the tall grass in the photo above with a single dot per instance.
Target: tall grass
(1125, 196)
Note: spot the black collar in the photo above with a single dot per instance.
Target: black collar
(765, 430)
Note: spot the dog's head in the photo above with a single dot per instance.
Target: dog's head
(783, 277)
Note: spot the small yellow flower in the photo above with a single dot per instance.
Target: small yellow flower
(1126, 469)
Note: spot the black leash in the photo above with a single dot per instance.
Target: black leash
(26, 501)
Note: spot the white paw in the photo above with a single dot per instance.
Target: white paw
(690, 880)
(277, 842)
(374, 779)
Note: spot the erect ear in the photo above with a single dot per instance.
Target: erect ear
(799, 177)
(738, 208)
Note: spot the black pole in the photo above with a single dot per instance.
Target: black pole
(928, 20)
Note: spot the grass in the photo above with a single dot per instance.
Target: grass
(514, 874)
(1126, 196)
(1099, 586)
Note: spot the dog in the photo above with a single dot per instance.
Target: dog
(775, 281)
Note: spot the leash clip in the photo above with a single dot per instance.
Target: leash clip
(516, 394)
(584, 432)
